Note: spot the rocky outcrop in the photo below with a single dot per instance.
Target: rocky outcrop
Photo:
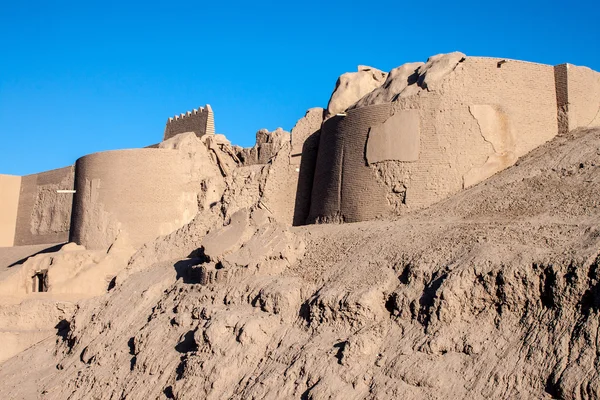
(351, 86)
(408, 79)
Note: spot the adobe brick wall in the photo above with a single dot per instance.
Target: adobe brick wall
(44, 215)
(10, 187)
(474, 122)
(305, 144)
(456, 148)
(562, 98)
(304, 128)
(200, 121)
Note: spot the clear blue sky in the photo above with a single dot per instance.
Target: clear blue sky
(86, 76)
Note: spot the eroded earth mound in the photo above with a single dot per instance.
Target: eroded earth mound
(493, 293)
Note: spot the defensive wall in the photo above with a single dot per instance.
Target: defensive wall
(430, 130)
(201, 121)
(142, 193)
(33, 211)
(474, 119)
(304, 145)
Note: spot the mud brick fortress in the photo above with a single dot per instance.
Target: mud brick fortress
(388, 143)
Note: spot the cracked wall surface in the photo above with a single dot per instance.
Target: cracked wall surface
(473, 116)
(396, 139)
(496, 129)
(44, 215)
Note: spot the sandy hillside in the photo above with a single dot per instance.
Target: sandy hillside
(493, 293)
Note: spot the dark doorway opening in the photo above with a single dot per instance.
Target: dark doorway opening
(40, 281)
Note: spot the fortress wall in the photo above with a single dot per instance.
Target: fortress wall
(468, 125)
(582, 96)
(326, 188)
(523, 91)
(44, 215)
(200, 121)
(477, 121)
(10, 187)
(305, 143)
(142, 193)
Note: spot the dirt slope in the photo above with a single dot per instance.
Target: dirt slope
(494, 293)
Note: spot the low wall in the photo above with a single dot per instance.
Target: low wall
(10, 187)
(143, 193)
(44, 215)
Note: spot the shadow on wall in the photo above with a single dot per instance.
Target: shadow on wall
(51, 249)
(305, 178)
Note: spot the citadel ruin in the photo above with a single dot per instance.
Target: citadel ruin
(386, 145)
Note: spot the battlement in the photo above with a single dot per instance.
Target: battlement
(187, 114)
(200, 121)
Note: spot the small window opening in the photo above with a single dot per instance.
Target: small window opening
(40, 281)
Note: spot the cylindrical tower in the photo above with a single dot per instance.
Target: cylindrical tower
(143, 193)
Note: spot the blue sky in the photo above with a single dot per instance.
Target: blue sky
(81, 77)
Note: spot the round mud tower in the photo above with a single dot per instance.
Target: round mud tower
(345, 188)
(142, 193)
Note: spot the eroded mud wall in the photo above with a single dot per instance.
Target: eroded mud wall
(44, 214)
(344, 188)
(474, 120)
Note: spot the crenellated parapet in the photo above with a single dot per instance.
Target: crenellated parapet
(201, 121)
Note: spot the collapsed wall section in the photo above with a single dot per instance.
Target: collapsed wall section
(201, 121)
(44, 213)
(10, 187)
(139, 193)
